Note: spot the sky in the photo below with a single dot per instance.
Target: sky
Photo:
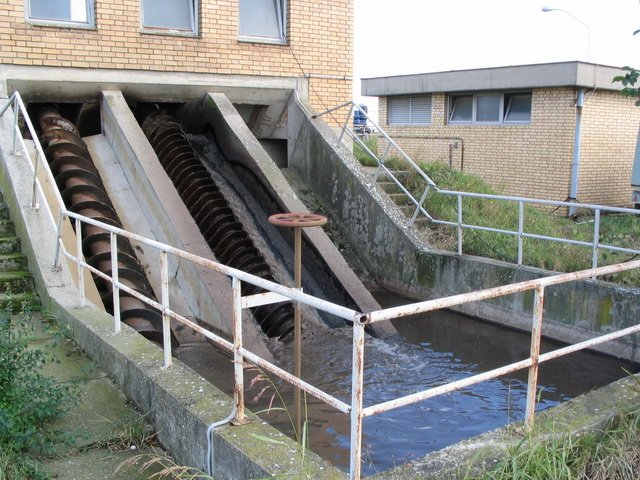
(416, 36)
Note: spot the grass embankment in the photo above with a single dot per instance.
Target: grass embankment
(606, 454)
(616, 230)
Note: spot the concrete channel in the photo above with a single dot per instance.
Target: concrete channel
(181, 405)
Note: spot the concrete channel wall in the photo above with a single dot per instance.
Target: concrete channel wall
(402, 262)
(176, 401)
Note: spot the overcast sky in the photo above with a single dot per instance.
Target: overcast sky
(416, 36)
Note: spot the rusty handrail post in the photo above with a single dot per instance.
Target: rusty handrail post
(357, 385)
(79, 267)
(164, 298)
(238, 360)
(114, 282)
(536, 333)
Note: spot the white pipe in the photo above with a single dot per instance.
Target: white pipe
(577, 144)
(210, 430)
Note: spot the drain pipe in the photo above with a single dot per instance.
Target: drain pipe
(577, 144)
(210, 430)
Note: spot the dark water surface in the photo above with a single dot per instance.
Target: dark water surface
(432, 349)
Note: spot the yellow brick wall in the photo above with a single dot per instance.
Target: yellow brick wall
(534, 160)
(319, 33)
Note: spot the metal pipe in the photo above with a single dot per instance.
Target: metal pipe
(596, 238)
(520, 229)
(297, 331)
(577, 145)
(115, 283)
(210, 431)
(79, 267)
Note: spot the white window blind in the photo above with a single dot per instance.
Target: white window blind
(409, 110)
(77, 12)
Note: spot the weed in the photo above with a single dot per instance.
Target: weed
(28, 400)
(162, 466)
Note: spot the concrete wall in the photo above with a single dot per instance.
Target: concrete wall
(401, 261)
(534, 160)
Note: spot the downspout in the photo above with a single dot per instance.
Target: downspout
(577, 144)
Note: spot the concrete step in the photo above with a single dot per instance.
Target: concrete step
(7, 228)
(9, 245)
(11, 262)
(16, 282)
(4, 210)
(19, 302)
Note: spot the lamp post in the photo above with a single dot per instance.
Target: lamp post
(577, 137)
(549, 9)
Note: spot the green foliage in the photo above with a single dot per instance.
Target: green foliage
(371, 142)
(628, 81)
(28, 399)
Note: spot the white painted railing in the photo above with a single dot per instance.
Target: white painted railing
(459, 224)
(278, 293)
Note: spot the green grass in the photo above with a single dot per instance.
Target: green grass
(612, 452)
(616, 230)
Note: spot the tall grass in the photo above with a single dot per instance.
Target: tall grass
(617, 230)
(609, 453)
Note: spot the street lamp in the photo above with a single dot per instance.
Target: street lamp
(549, 9)
(577, 137)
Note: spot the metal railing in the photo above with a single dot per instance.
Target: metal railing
(460, 225)
(277, 293)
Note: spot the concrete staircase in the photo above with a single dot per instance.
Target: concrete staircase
(396, 194)
(16, 283)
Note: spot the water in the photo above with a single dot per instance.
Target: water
(433, 349)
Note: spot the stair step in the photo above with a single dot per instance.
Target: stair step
(10, 262)
(7, 228)
(4, 210)
(16, 282)
(19, 302)
(9, 245)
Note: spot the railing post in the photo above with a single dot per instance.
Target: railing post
(56, 266)
(596, 238)
(238, 361)
(420, 203)
(536, 332)
(114, 282)
(16, 111)
(520, 229)
(34, 188)
(166, 320)
(80, 268)
(460, 225)
(346, 122)
(357, 382)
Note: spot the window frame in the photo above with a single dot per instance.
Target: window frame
(503, 108)
(411, 110)
(89, 24)
(282, 17)
(194, 12)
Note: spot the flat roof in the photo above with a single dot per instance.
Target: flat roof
(515, 77)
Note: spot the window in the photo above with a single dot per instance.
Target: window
(263, 21)
(490, 108)
(170, 16)
(409, 110)
(77, 13)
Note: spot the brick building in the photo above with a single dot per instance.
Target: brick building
(255, 51)
(524, 129)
